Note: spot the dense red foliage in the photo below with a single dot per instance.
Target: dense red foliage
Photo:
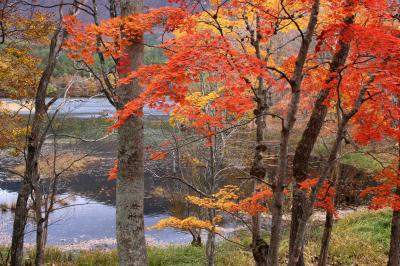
(214, 45)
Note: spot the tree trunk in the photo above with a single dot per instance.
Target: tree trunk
(309, 203)
(304, 148)
(258, 172)
(394, 251)
(196, 238)
(40, 246)
(210, 249)
(328, 226)
(20, 217)
(326, 237)
(259, 245)
(31, 176)
(326, 173)
(281, 177)
(131, 242)
(35, 141)
(40, 222)
(210, 245)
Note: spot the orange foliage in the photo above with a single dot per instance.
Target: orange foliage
(325, 196)
(158, 155)
(184, 224)
(227, 200)
(385, 194)
(256, 203)
(117, 33)
(222, 200)
(229, 63)
(113, 174)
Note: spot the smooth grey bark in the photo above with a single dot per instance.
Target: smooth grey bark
(309, 137)
(131, 242)
(278, 184)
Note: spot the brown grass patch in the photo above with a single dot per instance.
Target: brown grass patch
(69, 163)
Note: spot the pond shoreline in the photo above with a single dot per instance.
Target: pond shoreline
(109, 244)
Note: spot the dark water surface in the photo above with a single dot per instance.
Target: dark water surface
(90, 214)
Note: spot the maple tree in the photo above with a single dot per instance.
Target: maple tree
(258, 57)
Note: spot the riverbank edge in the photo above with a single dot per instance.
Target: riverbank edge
(359, 238)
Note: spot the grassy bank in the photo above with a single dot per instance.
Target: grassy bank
(361, 238)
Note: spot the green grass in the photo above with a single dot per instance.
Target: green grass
(85, 128)
(361, 238)
(158, 256)
(361, 161)
(358, 160)
(176, 255)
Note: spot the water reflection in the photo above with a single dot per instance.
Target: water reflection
(91, 198)
(90, 214)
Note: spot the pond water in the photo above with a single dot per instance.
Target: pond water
(76, 107)
(91, 198)
(90, 220)
(90, 210)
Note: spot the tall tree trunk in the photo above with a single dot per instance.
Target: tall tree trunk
(326, 237)
(309, 137)
(31, 176)
(21, 214)
(278, 184)
(394, 251)
(326, 173)
(210, 244)
(328, 226)
(131, 242)
(40, 244)
(258, 172)
(210, 249)
(309, 203)
(35, 141)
